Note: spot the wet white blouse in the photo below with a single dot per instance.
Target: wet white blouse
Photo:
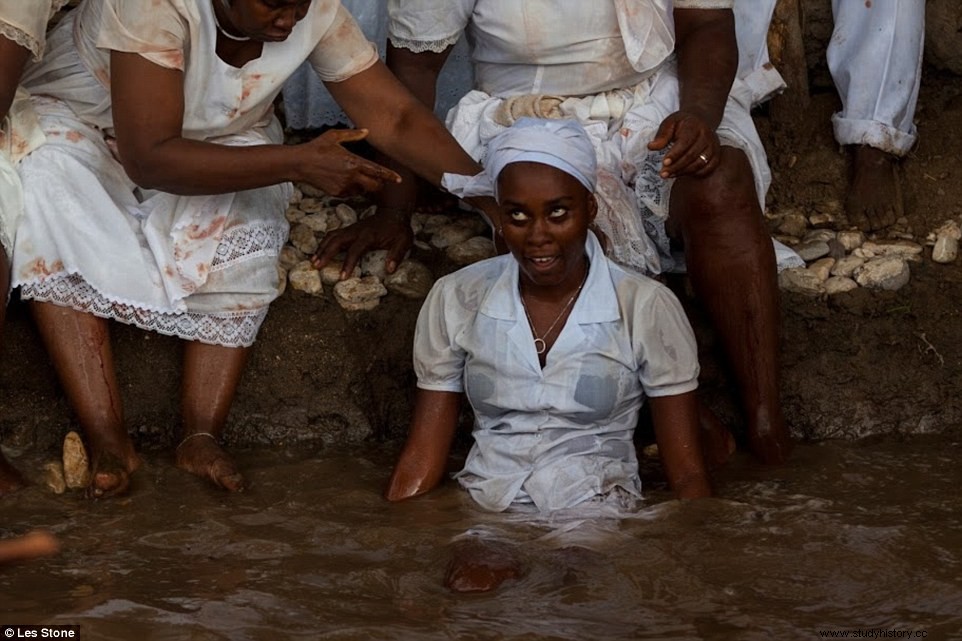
(560, 435)
(546, 46)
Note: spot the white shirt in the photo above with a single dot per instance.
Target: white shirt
(563, 434)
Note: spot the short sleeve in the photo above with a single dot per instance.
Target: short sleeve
(704, 4)
(438, 362)
(343, 49)
(25, 22)
(155, 29)
(665, 346)
(427, 25)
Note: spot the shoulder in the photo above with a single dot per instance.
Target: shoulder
(469, 285)
(636, 287)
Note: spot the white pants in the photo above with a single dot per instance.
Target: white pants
(875, 57)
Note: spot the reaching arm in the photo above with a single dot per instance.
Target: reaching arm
(421, 465)
(12, 59)
(676, 431)
(148, 106)
(707, 62)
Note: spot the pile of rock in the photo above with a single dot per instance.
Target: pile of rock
(464, 238)
(840, 261)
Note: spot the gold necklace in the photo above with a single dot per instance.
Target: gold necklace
(540, 346)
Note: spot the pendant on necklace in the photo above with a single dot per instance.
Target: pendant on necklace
(540, 346)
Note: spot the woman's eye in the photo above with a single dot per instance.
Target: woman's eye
(558, 212)
(518, 216)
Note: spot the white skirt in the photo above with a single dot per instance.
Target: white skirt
(197, 267)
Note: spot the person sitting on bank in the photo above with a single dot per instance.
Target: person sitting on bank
(555, 345)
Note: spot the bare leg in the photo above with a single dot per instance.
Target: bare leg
(79, 346)
(10, 478)
(717, 442)
(32, 545)
(481, 566)
(211, 375)
(731, 263)
(875, 196)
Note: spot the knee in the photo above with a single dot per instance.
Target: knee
(726, 196)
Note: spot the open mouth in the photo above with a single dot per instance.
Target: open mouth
(542, 263)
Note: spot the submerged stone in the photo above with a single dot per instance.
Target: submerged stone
(76, 466)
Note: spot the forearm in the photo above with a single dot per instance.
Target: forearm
(190, 167)
(707, 54)
(676, 431)
(423, 460)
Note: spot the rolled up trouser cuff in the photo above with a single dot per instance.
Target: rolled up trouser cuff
(874, 134)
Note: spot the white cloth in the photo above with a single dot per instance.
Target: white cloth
(198, 267)
(309, 105)
(24, 23)
(588, 49)
(875, 56)
(562, 144)
(562, 435)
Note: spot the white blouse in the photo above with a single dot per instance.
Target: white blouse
(560, 435)
(547, 46)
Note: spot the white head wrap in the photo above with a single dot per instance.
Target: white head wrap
(563, 144)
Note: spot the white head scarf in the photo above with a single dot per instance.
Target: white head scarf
(563, 144)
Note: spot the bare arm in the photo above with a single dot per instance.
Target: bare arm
(12, 59)
(676, 431)
(148, 105)
(707, 62)
(421, 465)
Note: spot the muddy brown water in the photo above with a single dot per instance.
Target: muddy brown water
(847, 536)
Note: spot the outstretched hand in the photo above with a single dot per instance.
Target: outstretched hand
(693, 147)
(337, 171)
(387, 229)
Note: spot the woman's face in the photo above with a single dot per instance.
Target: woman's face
(268, 20)
(545, 214)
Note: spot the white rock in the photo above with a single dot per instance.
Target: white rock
(847, 266)
(431, 223)
(317, 222)
(331, 273)
(53, 477)
(411, 279)
(76, 466)
(822, 268)
(814, 250)
(420, 244)
(818, 235)
(302, 237)
(346, 214)
(850, 240)
(821, 220)
(304, 278)
(839, 284)
(297, 196)
(863, 252)
(367, 213)
(886, 272)
(950, 228)
(290, 256)
(294, 215)
(374, 263)
(311, 205)
(451, 235)
(359, 294)
(310, 190)
(471, 251)
(281, 280)
(946, 249)
(801, 281)
(792, 224)
(906, 249)
(477, 224)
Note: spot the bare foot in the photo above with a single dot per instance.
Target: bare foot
(481, 566)
(875, 196)
(110, 470)
(201, 455)
(31, 545)
(717, 442)
(10, 479)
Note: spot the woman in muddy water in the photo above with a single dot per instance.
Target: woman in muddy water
(556, 348)
(23, 27)
(159, 199)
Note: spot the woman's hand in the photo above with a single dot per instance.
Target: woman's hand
(335, 170)
(388, 229)
(693, 147)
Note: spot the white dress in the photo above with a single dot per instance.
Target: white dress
(198, 267)
(607, 64)
(875, 56)
(308, 104)
(24, 23)
(562, 435)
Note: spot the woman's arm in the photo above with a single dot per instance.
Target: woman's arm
(12, 59)
(676, 431)
(707, 62)
(423, 460)
(148, 107)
